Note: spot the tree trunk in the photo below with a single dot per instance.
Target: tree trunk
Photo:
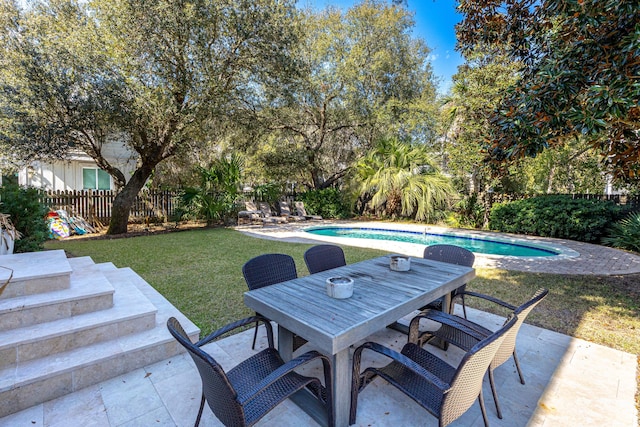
(122, 203)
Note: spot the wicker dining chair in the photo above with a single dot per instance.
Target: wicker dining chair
(453, 255)
(465, 334)
(446, 392)
(266, 270)
(247, 392)
(324, 257)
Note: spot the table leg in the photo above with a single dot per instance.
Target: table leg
(341, 387)
(285, 343)
(341, 376)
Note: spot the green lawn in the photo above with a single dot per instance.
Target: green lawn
(199, 271)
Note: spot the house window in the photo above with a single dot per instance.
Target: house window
(95, 179)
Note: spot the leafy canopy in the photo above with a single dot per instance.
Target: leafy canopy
(155, 75)
(361, 75)
(579, 75)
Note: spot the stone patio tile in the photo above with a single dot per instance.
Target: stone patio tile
(129, 396)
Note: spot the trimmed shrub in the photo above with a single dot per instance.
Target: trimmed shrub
(328, 203)
(27, 215)
(555, 216)
(625, 234)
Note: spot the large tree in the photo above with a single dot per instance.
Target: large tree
(361, 74)
(154, 75)
(579, 75)
(477, 89)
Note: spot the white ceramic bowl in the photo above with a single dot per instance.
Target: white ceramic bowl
(339, 287)
(400, 263)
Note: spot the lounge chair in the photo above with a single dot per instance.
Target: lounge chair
(250, 214)
(300, 209)
(285, 211)
(267, 215)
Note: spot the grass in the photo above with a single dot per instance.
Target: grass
(199, 271)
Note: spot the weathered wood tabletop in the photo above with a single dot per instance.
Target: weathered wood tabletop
(380, 297)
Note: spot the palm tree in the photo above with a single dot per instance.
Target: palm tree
(401, 179)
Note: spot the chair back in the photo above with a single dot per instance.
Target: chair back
(300, 208)
(450, 253)
(217, 389)
(250, 206)
(509, 344)
(285, 209)
(324, 257)
(269, 269)
(265, 209)
(466, 384)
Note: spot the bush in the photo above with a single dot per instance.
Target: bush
(27, 215)
(328, 203)
(467, 213)
(625, 234)
(555, 216)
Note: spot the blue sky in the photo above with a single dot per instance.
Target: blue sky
(434, 22)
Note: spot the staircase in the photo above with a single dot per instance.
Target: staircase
(66, 324)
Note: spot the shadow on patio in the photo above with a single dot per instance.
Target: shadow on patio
(565, 378)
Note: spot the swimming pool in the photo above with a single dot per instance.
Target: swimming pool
(475, 244)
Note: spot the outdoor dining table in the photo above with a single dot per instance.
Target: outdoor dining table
(380, 297)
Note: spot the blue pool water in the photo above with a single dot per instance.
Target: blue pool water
(474, 244)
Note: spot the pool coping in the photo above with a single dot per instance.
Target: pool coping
(577, 258)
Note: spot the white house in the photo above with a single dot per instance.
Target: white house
(79, 172)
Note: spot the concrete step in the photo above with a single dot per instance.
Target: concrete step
(34, 273)
(88, 291)
(30, 382)
(131, 312)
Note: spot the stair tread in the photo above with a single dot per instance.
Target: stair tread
(45, 367)
(128, 303)
(86, 283)
(32, 265)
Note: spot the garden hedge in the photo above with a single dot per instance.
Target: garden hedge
(556, 216)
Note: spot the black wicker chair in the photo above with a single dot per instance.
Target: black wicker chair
(266, 270)
(453, 255)
(246, 393)
(446, 392)
(324, 257)
(465, 334)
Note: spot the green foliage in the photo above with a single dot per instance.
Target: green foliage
(27, 215)
(269, 192)
(477, 89)
(625, 234)
(361, 74)
(401, 179)
(160, 77)
(215, 198)
(555, 216)
(577, 59)
(328, 203)
(467, 213)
